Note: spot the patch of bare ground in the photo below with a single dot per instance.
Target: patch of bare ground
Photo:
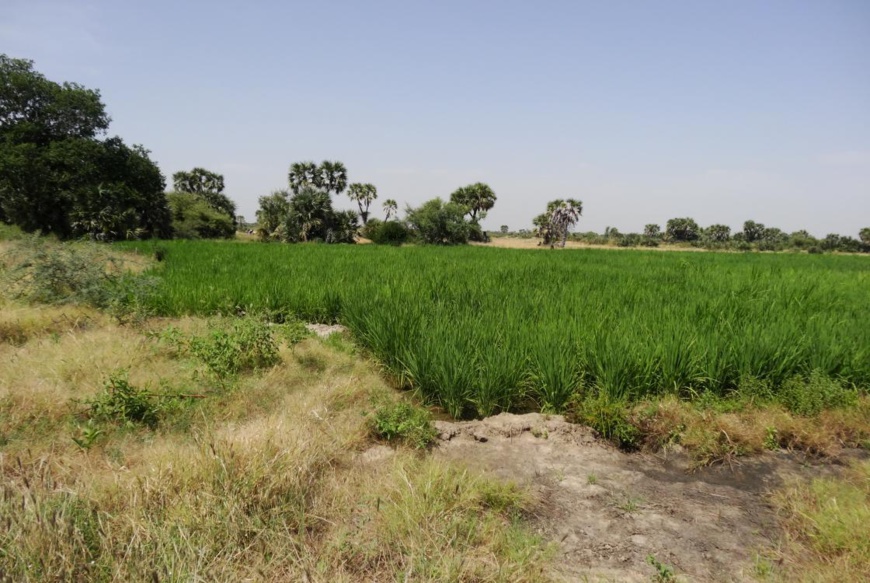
(609, 511)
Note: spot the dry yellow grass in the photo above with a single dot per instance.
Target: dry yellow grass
(260, 481)
(712, 436)
(827, 528)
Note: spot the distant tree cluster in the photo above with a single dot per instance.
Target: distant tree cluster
(57, 176)
(754, 236)
(305, 212)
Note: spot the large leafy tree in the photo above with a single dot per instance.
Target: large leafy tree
(753, 231)
(207, 185)
(363, 195)
(682, 229)
(57, 177)
(477, 198)
(718, 233)
(440, 223)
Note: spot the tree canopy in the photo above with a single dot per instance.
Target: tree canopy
(439, 223)
(477, 198)
(57, 177)
(207, 185)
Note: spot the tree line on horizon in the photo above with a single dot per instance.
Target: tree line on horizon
(61, 175)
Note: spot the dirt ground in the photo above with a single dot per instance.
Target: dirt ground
(608, 511)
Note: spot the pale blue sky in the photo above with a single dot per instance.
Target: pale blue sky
(722, 111)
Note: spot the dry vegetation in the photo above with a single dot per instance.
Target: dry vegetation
(261, 479)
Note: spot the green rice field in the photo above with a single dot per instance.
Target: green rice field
(481, 330)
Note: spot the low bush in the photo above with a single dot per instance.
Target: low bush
(388, 233)
(121, 402)
(609, 417)
(246, 344)
(810, 395)
(45, 272)
(403, 422)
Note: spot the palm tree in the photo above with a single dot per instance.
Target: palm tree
(302, 174)
(363, 194)
(477, 198)
(391, 208)
(332, 177)
(564, 214)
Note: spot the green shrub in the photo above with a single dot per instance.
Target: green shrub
(609, 417)
(76, 273)
(812, 394)
(403, 422)
(388, 233)
(246, 344)
(121, 402)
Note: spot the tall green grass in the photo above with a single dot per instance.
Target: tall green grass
(480, 330)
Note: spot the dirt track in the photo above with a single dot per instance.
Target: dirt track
(608, 510)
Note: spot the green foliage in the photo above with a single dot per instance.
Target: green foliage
(121, 402)
(400, 421)
(56, 177)
(477, 199)
(438, 223)
(810, 395)
(684, 229)
(307, 216)
(391, 208)
(718, 233)
(208, 187)
(331, 177)
(608, 417)
(76, 273)
(474, 329)
(664, 573)
(555, 224)
(245, 344)
(388, 233)
(271, 214)
(194, 218)
(363, 195)
(752, 231)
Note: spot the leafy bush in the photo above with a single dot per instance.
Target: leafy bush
(388, 233)
(609, 417)
(440, 223)
(122, 402)
(247, 344)
(66, 273)
(401, 421)
(814, 393)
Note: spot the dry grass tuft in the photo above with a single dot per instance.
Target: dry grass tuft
(827, 526)
(716, 436)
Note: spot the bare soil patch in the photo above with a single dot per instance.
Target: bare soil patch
(608, 510)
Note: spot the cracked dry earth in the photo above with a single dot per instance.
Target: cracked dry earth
(608, 510)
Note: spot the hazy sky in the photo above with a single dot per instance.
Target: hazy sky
(645, 110)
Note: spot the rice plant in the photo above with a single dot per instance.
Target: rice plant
(479, 330)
